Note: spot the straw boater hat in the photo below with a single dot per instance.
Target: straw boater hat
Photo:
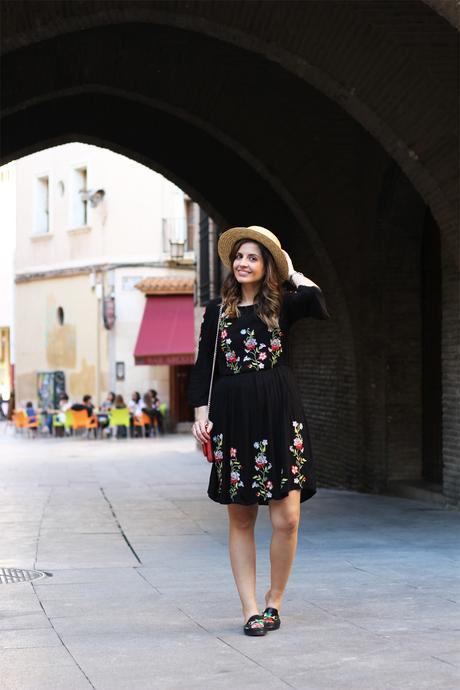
(259, 234)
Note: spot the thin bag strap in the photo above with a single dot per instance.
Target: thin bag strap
(214, 359)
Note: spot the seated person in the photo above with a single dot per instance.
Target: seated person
(120, 405)
(120, 402)
(149, 410)
(87, 405)
(158, 415)
(135, 410)
(64, 405)
(109, 402)
(134, 405)
(106, 406)
(31, 412)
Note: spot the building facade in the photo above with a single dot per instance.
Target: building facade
(8, 211)
(91, 226)
(334, 124)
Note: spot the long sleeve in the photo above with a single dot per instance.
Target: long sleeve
(306, 301)
(201, 372)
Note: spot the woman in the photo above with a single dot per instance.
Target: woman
(31, 412)
(134, 404)
(120, 405)
(158, 414)
(103, 418)
(259, 432)
(119, 402)
(135, 412)
(109, 402)
(148, 409)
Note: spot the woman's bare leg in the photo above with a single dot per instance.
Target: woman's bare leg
(284, 516)
(242, 549)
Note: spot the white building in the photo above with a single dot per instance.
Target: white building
(8, 224)
(91, 225)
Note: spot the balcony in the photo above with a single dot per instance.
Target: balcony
(176, 240)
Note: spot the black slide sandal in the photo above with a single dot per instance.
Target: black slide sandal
(271, 618)
(251, 629)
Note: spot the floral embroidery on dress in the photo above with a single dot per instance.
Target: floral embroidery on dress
(218, 457)
(231, 358)
(276, 347)
(254, 355)
(257, 354)
(262, 483)
(297, 451)
(235, 468)
(283, 479)
(254, 351)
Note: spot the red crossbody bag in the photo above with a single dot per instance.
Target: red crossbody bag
(207, 446)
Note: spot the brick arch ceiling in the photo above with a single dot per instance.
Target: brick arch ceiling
(391, 64)
(215, 146)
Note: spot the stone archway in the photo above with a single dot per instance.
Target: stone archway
(280, 111)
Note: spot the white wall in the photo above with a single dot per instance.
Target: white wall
(8, 230)
(130, 304)
(127, 226)
(130, 308)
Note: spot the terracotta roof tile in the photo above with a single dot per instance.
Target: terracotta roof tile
(167, 286)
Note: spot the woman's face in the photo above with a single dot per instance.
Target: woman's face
(248, 265)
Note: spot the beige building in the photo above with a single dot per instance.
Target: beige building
(91, 225)
(8, 223)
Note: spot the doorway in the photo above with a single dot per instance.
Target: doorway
(180, 411)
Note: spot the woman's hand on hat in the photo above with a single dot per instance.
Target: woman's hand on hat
(201, 430)
(291, 268)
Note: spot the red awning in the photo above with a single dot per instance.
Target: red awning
(167, 332)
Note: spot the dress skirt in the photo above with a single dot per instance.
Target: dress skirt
(260, 439)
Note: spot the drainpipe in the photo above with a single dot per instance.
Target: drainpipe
(99, 290)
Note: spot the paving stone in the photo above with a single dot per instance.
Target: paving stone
(33, 677)
(371, 603)
(20, 639)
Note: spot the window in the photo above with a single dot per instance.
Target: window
(79, 202)
(190, 220)
(41, 224)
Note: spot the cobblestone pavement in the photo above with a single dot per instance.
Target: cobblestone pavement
(141, 593)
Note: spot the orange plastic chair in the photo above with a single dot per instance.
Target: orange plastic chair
(22, 421)
(80, 420)
(143, 421)
(92, 422)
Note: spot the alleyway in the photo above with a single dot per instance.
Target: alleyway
(142, 595)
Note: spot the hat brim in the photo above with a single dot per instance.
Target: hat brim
(229, 237)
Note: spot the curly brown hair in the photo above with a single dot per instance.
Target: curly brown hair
(268, 299)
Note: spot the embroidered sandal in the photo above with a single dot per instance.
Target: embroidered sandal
(255, 626)
(271, 618)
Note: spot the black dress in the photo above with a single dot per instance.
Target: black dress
(260, 435)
